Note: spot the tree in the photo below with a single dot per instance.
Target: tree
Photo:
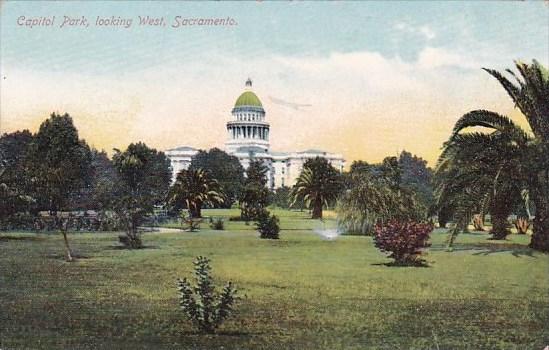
(104, 178)
(371, 200)
(143, 180)
(281, 197)
(390, 172)
(531, 96)
(475, 176)
(255, 195)
(14, 179)
(194, 188)
(58, 163)
(224, 168)
(527, 154)
(101, 180)
(417, 177)
(319, 184)
(359, 166)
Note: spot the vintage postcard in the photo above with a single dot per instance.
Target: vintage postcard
(274, 175)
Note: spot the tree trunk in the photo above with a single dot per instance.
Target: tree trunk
(540, 236)
(500, 210)
(540, 227)
(317, 209)
(196, 211)
(443, 217)
(132, 240)
(68, 253)
(500, 226)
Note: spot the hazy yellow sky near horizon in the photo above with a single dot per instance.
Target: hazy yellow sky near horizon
(166, 112)
(384, 79)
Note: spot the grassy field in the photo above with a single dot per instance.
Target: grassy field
(301, 292)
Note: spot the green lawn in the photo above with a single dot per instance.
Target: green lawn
(301, 292)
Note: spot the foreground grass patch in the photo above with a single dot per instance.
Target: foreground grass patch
(301, 292)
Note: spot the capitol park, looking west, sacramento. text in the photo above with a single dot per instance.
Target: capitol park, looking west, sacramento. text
(178, 21)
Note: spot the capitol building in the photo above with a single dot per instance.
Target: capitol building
(248, 139)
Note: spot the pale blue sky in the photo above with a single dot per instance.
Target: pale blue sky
(267, 28)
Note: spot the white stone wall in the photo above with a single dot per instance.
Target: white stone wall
(180, 158)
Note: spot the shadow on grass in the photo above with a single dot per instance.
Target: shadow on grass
(517, 250)
(394, 264)
(21, 238)
(61, 256)
(228, 333)
(122, 247)
(478, 233)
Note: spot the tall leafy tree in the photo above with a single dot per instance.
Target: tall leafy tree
(101, 180)
(224, 168)
(417, 177)
(527, 154)
(390, 172)
(14, 178)
(104, 178)
(281, 197)
(319, 184)
(143, 180)
(374, 197)
(255, 194)
(194, 188)
(360, 166)
(58, 163)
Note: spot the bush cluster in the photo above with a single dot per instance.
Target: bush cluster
(217, 223)
(131, 242)
(103, 221)
(404, 241)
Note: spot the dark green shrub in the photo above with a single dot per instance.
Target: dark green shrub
(404, 241)
(132, 242)
(268, 225)
(217, 223)
(202, 306)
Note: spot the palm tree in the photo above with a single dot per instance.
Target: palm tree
(318, 185)
(194, 188)
(520, 158)
(476, 175)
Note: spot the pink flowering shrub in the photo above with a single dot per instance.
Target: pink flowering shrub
(405, 241)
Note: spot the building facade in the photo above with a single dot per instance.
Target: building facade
(248, 139)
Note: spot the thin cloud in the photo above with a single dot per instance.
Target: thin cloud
(425, 30)
(296, 106)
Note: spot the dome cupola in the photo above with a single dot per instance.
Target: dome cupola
(248, 126)
(248, 98)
